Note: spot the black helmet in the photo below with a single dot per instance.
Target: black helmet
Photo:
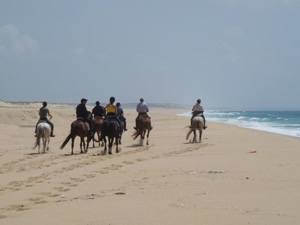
(97, 103)
(112, 100)
(44, 103)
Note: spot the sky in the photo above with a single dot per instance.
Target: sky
(228, 53)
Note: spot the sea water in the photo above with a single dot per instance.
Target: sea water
(279, 122)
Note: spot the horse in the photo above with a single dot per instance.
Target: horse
(197, 124)
(97, 121)
(43, 131)
(144, 125)
(111, 130)
(79, 128)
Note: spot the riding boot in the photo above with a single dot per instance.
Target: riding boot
(204, 126)
(136, 125)
(125, 129)
(51, 135)
(35, 130)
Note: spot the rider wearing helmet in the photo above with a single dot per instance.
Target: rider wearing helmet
(82, 112)
(142, 110)
(98, 110)
(120, 114)
(112, 111)
(198, 110)
(44, 112)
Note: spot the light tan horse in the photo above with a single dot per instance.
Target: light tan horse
(197, 124)
(144, 125)
(43, 132)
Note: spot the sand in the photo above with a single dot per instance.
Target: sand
(234, 176)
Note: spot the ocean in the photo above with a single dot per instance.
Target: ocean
(278, 122)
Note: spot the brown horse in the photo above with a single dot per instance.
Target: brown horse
(111, 130)
(144, 125)
(79, 128)
(97, 127)
(197, 124)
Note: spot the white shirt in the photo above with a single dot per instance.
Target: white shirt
(142, 108)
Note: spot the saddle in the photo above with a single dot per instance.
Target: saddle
(110, 118)
(81, 119)
(42, 121)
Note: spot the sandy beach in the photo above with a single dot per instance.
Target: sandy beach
(234, 176)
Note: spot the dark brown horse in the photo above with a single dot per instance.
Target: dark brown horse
(79, 128)
(97, 127)
(144, 125)
(111, 130)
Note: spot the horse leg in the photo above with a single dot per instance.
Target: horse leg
(39, 143)
(105, 145)
(44, 144)
(110, 143)
(118, 140)
(200, 135)
(48, 142)
(72, 145)
(87, 144)
(194, 139)
(148, 137)
(82, 143)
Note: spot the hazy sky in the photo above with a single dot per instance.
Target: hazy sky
(229, 53)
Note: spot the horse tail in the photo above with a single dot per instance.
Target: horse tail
(38, 136)
(188, 134)
(73, 130)
(139, 131)
(104, 130)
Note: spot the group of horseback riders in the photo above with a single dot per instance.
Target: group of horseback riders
(110, 111)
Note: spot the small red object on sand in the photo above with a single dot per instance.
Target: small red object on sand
(252, 152)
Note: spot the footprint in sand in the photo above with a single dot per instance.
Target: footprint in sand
(49, 194)
(76, 179)
(18, 207)
(37, 200)
(89, 175)
(61, 189)
(128, 162)
(140, 159)
(101, 171)
(69, 184)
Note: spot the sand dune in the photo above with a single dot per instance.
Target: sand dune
(171, 181)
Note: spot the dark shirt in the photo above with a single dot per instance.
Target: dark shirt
(81, 111)
(98, 111)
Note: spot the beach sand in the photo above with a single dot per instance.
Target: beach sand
(234, 176)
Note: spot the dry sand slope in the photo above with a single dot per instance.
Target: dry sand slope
(168, 182)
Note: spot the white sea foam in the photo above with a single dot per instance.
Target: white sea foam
(269, 122)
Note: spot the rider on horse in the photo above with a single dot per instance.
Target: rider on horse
(98, 110)
(198, 110)
(81, 112)
(120, 113)
(44, 112)
(142, 110)
(112, 111)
